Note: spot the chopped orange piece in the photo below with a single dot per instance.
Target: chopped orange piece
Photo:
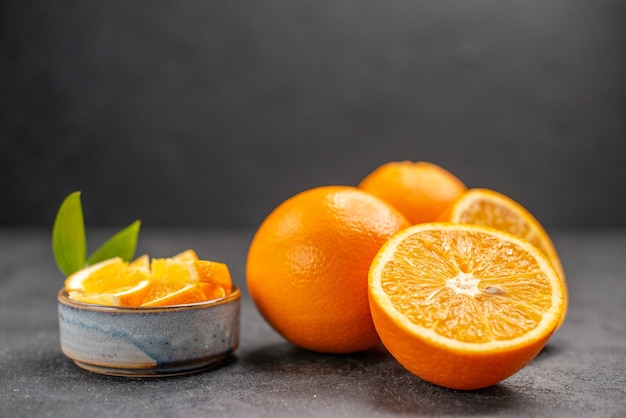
(131, 296)
(105, 276)
(214, 272)
(141, 262)
(189, 293)
(187, 255)
(174, 270)
(213, 290)
(144, 282)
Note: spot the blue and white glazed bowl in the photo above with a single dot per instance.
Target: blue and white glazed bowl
(146, 342)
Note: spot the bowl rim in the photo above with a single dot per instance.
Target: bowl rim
(64, 299)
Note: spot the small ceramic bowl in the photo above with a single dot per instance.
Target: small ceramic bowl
(145, 342)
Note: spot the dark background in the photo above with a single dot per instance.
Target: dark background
(210, 113)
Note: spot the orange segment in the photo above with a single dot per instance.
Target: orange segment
(135, 295)
(104, 276)
(214, 272)
(213, 290)
(489, 208)
(129, 296)
(170, 269)
(463, 306)
(162, 288)
(142, 262)
(189, 293)
(187, 255)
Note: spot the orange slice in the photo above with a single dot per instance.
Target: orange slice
(129, 296)
(463, 306)
(489, 208)
(105, 276)
(189, 293)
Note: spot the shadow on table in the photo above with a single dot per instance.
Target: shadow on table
(373, 378)
(551, 349)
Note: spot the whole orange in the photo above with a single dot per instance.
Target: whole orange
(308, 262)
(420, 190)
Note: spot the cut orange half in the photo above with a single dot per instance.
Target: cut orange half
(463, 306)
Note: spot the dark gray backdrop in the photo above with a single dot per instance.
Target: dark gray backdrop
(210, 113)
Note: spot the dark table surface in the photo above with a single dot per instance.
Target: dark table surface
(581, 372)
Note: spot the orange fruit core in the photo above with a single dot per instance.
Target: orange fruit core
(180, 279)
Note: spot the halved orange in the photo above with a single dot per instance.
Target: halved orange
(490, 208)
(463, 306)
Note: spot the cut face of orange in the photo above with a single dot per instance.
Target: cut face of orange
(463, 306)
(180, 279)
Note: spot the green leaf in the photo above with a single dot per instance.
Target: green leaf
(123, 244)
(69, 243)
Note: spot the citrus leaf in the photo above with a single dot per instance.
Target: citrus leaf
(123, 244)
(69, 243)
